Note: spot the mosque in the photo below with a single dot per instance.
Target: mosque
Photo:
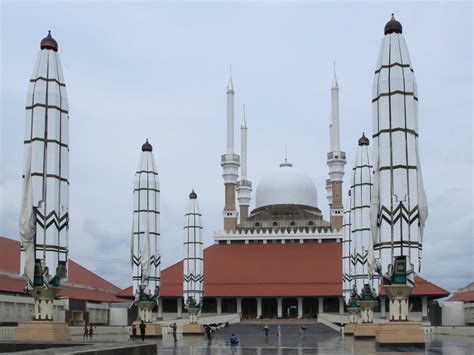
(282, 259)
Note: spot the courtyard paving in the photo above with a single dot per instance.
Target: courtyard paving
(317, 339)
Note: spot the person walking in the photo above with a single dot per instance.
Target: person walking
(173, 326)
(208, 331)
(134, 331)
(266, 328)
(91, 332)
(86, 332)
(142, 330)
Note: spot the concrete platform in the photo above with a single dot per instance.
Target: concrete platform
(152, 330)
(42, 330)
(349, 329)
(193, 329)
(365, 330)
(400, 333)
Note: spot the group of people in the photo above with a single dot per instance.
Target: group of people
(266, 329)
(88, 332)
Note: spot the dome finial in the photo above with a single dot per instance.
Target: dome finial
(363, 140)
(393, 26)
(286, 164)
(193, 195)
(147, 147)
(49, 42)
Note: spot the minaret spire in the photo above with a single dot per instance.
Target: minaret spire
(230, 163)
(336, 159)
(244, 186)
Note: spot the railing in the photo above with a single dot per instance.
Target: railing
(7, 332)
(234, 158)
(244, 183)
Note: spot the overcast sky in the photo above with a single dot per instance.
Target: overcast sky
(160, 70)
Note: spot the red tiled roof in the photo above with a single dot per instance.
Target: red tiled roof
(463, 296)
(127, 292)
(423, 288)
(82, 283)
(9, 255)
(11, 284)
(246, 270)
(81, 276)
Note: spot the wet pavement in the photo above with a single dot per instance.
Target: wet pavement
(317, 339)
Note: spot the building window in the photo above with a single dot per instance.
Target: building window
(275, 224)
(257, 224)
(292, 223)
(310, 223)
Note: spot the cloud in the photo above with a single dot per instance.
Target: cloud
(159, 71)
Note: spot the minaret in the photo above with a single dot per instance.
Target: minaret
(193, 263)
(336, 159)
(230, 163)
(365, 282)
(146, 234)
(44, 216)
(244, 186)
(399, 207)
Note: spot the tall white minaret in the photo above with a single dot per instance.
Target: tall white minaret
(399, 207)
(145, 255)
(336, 160)
(44, 215)
(244, 186)
(193, 262)
(230, 163)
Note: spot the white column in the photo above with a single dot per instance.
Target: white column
(219, 305)
(259, 307)
(341, 305)
(300, 307)
(424, 307)
(160, 308)
(239, 305)
(320, 304)
(230, 117)
(279, 307)
(179, 303)
(243, 149)
(382, 307)
(335, 147)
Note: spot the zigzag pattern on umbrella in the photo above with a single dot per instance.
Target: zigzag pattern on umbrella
(400, 212)
(347, 277)
(194, 278)
(52, 218)
(156, 261)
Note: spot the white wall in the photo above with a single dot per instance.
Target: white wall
(118, 316)
(21, 308)
(453, 313)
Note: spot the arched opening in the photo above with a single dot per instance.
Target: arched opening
(310, 307)
(269, 308)
(331, 305)
(249, 308)
(209, 305)
(290, 308)
(229, 305)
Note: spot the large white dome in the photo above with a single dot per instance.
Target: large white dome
(286, 186)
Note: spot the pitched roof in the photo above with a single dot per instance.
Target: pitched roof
(82, 283)
(9, 255)
(463, 296)
(423, 288)
(246, 270)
